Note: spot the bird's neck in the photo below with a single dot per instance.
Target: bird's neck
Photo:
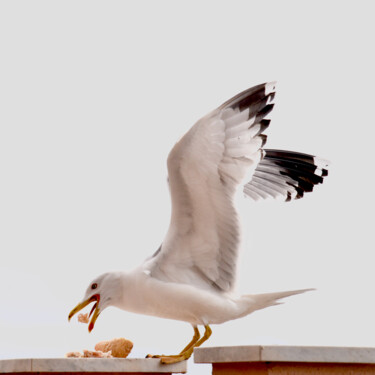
(122, 282)
(129, 290)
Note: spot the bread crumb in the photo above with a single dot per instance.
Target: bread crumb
(73, 355)
(96, 354)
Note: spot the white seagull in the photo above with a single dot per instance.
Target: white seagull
(191, 277)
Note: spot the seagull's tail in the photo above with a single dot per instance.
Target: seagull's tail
(252, 302)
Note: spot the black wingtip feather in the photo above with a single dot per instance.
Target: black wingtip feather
(264, 112)
(290, 155)
(264, 139)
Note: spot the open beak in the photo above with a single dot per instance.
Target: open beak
(95, 311)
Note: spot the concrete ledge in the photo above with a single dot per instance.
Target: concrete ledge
(90, 365)
(319, 354)
(287, 360)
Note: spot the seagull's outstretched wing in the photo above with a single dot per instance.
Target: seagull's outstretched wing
(205, 167)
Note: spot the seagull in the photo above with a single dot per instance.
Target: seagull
(192, 276)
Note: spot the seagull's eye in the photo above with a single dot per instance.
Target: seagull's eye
(94, 286)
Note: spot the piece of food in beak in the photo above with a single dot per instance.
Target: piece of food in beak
(119, 347)
(83, 318)
(95, 311)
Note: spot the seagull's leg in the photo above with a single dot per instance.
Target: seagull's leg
(193, 341)
(188, 346)
(188, 352)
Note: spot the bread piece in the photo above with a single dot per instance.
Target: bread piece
(119, 347)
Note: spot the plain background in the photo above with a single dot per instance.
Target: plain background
(93, 95)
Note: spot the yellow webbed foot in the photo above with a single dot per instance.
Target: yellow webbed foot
(188, 350)
(168, 359)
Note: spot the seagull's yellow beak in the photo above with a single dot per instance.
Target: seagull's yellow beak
(95, 309)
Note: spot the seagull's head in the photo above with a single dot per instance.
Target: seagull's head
(101, 291)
